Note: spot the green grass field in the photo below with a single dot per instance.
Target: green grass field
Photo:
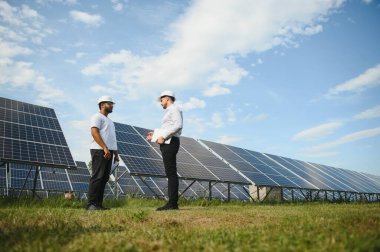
(134, 225)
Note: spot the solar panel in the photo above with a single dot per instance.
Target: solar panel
(342, 181)
(22, 173)
(258, 172)
(54, 179)
(211, 163)
(3, 176)
(263, 169)
(127, 184)
(193, 160)
(375, 179)
(309, 173)
(80, 177)
(344, 177)
(32, 134)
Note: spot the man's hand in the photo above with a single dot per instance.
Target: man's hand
(149, 136)
(117, 158)
(107, 153)
(160, 140)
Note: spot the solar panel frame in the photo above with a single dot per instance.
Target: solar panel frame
(31, 134)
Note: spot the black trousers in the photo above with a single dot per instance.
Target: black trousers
(169, 156)
(101, 169)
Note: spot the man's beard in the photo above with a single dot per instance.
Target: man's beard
(109, 110)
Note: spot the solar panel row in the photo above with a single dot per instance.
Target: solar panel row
(271, 170)
(31, 135)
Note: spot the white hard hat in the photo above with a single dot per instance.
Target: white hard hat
(166, 93)
(105, 98)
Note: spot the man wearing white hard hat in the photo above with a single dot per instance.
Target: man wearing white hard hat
(103, 152)
(167, 136)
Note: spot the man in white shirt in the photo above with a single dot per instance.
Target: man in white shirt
(103, 151)
(171, 129)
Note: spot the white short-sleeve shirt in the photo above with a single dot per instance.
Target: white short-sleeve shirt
(106, 130)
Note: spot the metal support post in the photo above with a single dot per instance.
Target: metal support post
(35, 181)
(229, 191)
(209, 190)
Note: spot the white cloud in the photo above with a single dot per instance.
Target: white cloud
(369, 113)
(99, 89)
(21, 74)
(370, 78)
(16, 74)
(71, 61)
(55, 49)
(318, 131)
(78, 56)
(229, 74)
(367, 1)
(347, 139)
(118, 5)
(194, 124)
(9, 50)
(193, 103)
(65, 2)
(86, 18)
(209, 37)
(231, 114)
(216, 90)
(259, 62)
(228, 139)
(216, 120)
(255, 118)
(24, 23)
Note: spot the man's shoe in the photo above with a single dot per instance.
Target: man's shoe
(93, 208)
(104, 208)
(167, 207)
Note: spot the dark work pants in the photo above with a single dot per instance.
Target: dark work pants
(101, 169)
(169, 156)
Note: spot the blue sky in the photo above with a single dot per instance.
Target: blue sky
(294, 78)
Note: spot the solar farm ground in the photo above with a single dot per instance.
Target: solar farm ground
(133, 225)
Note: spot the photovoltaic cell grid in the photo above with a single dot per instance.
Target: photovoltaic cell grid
(19, 175)
(209, 161)
(80, 177)
(286, 172)
(136, 153)
(127, 184)
(3, 176)
(54, 179)
(32, 134)
(193, 160)
(258, 168)
(355, 181)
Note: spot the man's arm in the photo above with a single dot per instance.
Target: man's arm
(98, 139)
(177, 126)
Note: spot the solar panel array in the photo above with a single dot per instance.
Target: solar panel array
(275, 171)
(31, 139)
(193, 161)
(32, 134)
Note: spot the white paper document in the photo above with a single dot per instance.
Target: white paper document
(114, 165)
(159, 133)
